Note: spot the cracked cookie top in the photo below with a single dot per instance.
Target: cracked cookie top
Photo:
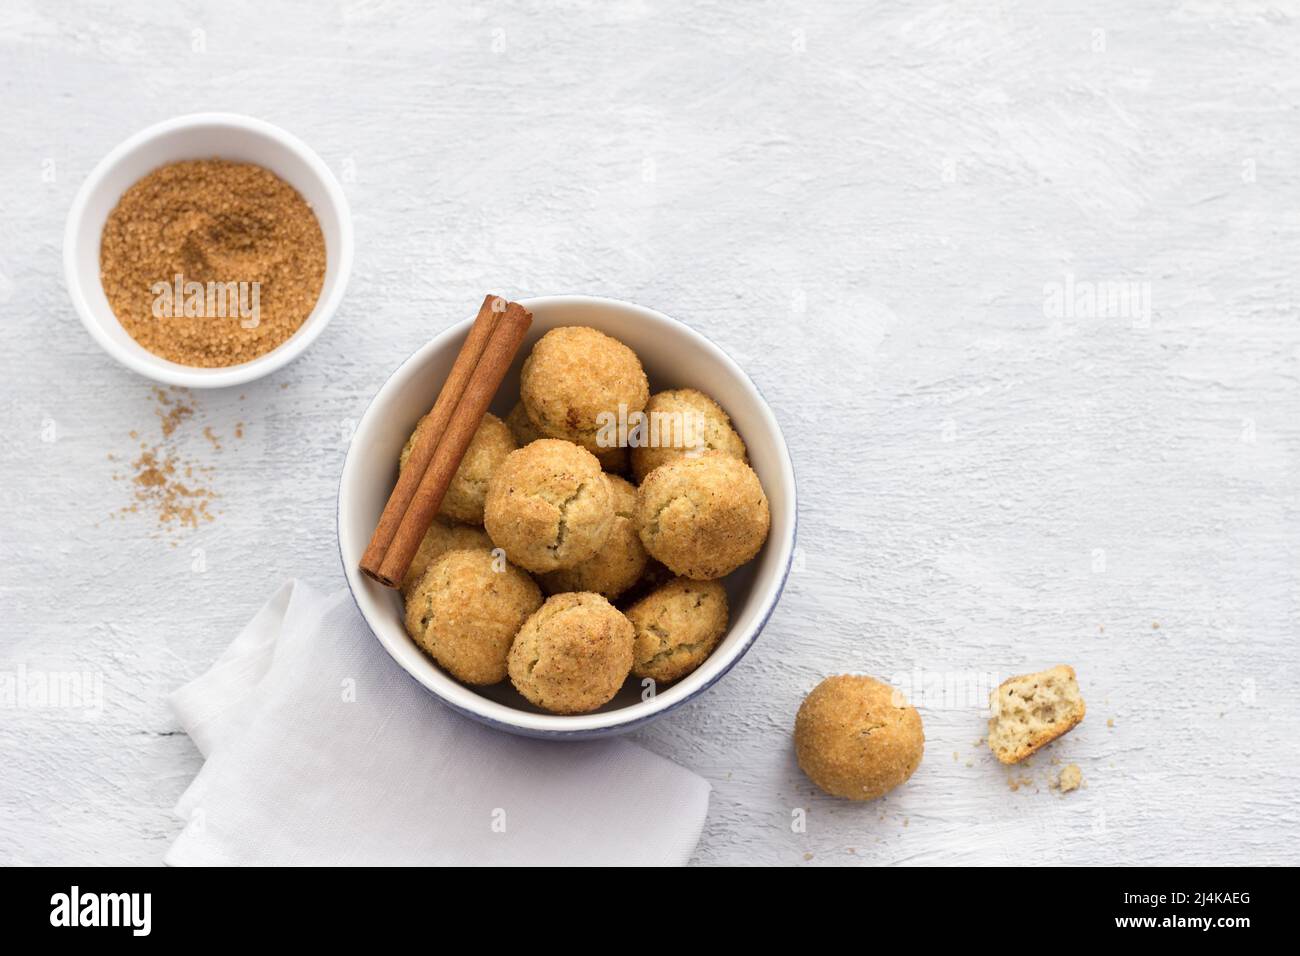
(620, 561)
(573, 654)
(703, 517)
(549, 506)
(677, 627)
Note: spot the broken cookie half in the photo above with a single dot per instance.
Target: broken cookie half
(1032, 710)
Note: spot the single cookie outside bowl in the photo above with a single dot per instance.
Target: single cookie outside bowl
(855, 737)
(703, 517)
(684, 421)
(549, 506)
(466, 610)
(677, 627)
(614, 460)
(576, 375)
(620, 561)
(573, 654)
(491, 444)
(443, 536)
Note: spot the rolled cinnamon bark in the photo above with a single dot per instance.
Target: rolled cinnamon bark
(435, 425)
(483, 384)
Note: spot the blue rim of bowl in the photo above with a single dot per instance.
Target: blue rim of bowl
(594, 732)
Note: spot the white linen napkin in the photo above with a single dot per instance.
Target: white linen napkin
(321, 750)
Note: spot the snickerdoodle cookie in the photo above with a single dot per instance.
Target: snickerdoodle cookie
(574, 376)
(682, 421)
(491, 444)
(857, 738)
(677, 627)
(703, 517)
(443, 536)
(549, 506)
(466, 610)
(573, 654)
(621, 559)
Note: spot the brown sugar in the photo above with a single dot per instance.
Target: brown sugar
(171, 413)
(165, 484)
(161, 485)
(211, 263)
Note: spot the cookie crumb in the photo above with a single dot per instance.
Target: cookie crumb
(1070, 778)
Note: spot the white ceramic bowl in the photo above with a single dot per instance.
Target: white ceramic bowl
(202, 136)
(674, 356)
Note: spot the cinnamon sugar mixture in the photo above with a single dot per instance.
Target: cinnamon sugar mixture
(211, 263)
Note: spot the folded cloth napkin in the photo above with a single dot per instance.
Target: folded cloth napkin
(321, 750)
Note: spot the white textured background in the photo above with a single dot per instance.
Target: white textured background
(863, 203)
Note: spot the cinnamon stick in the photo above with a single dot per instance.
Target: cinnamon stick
(435, 424)
(479, 392)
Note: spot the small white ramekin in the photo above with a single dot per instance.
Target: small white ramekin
(203, 136)
(674, 356)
